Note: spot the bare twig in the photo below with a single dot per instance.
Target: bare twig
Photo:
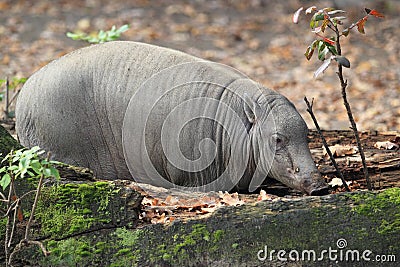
(309, 110)
(24, 243)
(7, 97)
(8, 224)
(343, 84)
(39, 187)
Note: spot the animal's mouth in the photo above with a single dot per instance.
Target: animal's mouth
(321, 191)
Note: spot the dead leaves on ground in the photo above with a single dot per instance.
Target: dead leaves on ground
(156, 210)
(341, 150)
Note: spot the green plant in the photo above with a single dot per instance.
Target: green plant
(11, 85)
(22, 164)
(101, 36)
(15, 85)
(331, 20)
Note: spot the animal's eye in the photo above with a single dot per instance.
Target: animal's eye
(278, 141)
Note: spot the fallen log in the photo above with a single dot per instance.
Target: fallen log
(82, 221)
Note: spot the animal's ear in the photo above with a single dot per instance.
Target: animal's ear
(251, 108)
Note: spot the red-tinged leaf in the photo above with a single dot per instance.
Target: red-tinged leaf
(296, 15)
(329, 41)
(342, 61)
(376, 14)
(309, 52)
(311, 9)
(360, 24)
(322, 68)
(20, 215)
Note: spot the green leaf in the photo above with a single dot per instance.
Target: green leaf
(332, 49)
(319, 17)
(36, 166)
(54, 172)
(24, 163)
(322, 51)
(47, 172)
(5, 181)
(312, 23)
(315, 43)
(13, 168)
(123, 28)
(3, 169)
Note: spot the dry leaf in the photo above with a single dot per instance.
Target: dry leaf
(323, 67)
(386, 145)
(230, 199)
(263, 196)
(296, 15)
(311, 9)
(337, 182)
(341, 151)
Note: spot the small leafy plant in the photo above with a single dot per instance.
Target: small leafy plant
(22, 164)
(11, 85)
(328, 49)
(15, 85)
(101, 36)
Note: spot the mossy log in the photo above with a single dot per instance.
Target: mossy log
(346, 229)
(86, 222)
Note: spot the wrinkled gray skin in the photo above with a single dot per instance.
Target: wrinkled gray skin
(75, 107)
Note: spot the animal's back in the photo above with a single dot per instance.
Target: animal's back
(74, 106)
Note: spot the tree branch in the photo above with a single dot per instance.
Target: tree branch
(309, 110)
(343, 84)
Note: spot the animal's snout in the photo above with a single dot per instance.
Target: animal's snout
(314, 185)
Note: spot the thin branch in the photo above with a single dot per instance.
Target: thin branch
(3, 197)
(14, 223)
(26, 243)
(310, 110)
(343, 84)
(7, 97)
(8, 224)
(39, 187)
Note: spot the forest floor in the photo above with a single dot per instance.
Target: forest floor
(257, 37)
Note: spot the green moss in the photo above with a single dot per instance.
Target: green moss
(67, 252)
(71, 208)
(127, 238)
(377, 205)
